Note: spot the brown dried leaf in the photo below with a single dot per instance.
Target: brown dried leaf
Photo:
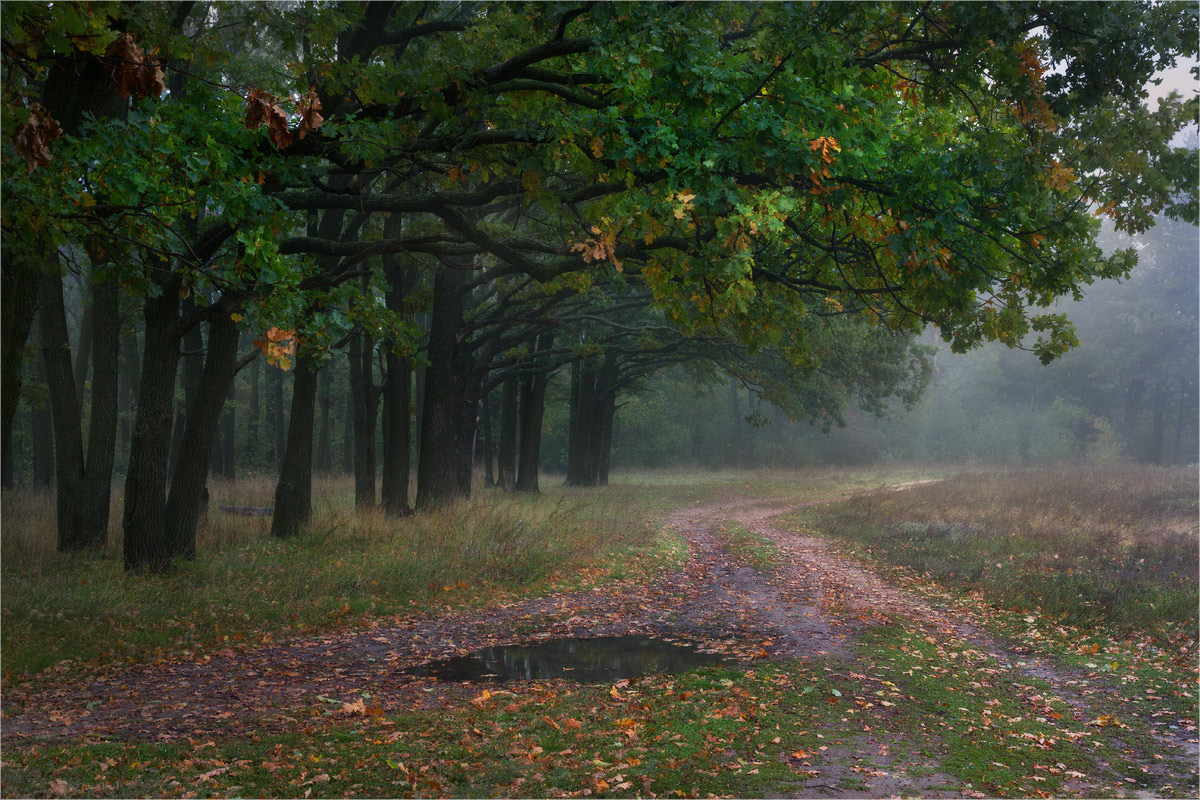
(30, 139)
(310, 120)
(132, 73)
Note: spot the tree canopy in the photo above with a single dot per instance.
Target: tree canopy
(785, 178)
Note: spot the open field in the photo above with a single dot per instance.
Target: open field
(990, 634)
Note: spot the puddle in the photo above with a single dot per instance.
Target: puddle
(598, 660)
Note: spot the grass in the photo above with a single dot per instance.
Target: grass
(748, 547)
(1109, 547)
(246, 587)
(910, 714)
(1096, 568)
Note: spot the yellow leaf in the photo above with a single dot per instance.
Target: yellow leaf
(237, 317)
(597, 147)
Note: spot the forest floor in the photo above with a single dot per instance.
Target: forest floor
(848, 683)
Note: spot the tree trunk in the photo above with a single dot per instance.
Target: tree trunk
(442, 412)
(582, 466)
(508, 435)
(1180, 421)
(736, 446)
(43, 433)
(489, 450)
(364, 398)
(324, 457)
(397, 390)
(129, 384)
(533, 407)
(193, 368)
(83, 350)
(68, 441)
(145, 482)
(293, 494)
(347, 406)
(96, 489)
(189, 488)
(18, 304)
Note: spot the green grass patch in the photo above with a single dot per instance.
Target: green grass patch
(757, 551)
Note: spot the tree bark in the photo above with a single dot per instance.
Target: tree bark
(189, 488)
(397, 390)
(146, 547)
(364, 398)
(193, 369)
(533, 407)
(96, 488)
(442, 410)
(293, 493)
(83, 349)
(347, 406)
(129, 386)
(508, 435)
(18, 304)
(68, 441)
(489, 450)
(582, 465)
(324, 457)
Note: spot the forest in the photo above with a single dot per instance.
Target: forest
(499, 285)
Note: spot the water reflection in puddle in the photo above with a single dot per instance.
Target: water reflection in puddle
(585, 660)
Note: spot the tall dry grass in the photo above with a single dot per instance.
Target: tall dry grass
(1115, 545)
(346, 565)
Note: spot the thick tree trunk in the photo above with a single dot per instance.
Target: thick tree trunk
(293, 493)
(68, 440)
(443, 413)
(96, 489)
(397, 390)
(129, 384)
(146, 546)
(193, 369)
(533, 407)
(189, 488)
(582, 466)
(508, 435)
(18, 304)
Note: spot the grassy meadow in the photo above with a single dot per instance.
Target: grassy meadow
(1093, 569)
